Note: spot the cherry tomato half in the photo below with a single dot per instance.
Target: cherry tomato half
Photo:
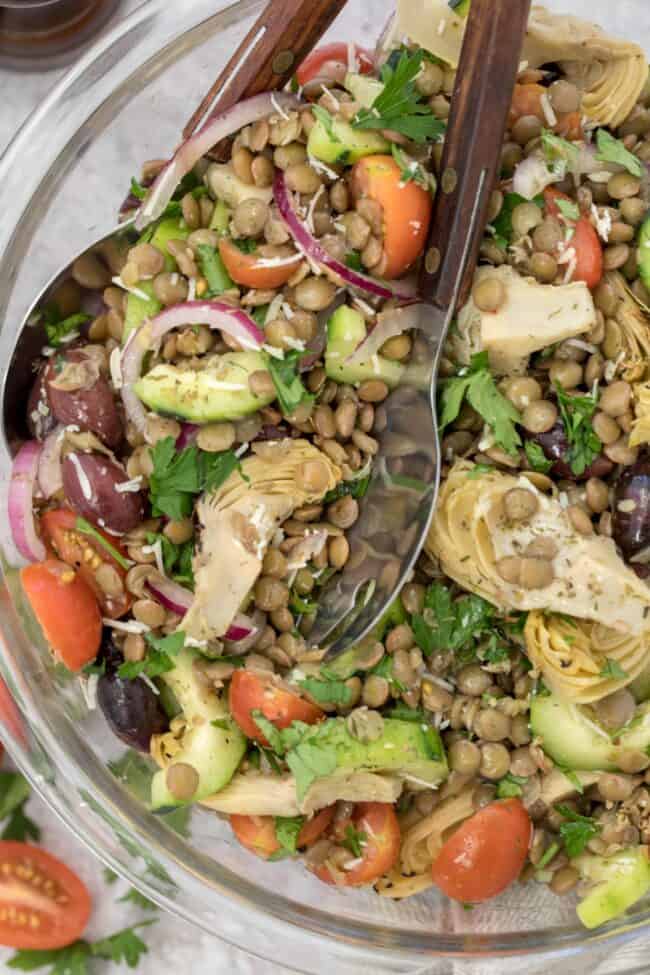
(486, 854)
(250, 692)
(65, 606)
(406, 208)
(585, 242)
(380, 846)
(331, 61)
(249, 270)
(87, 554)
(257, 833)
(43, 904)
(527, 100)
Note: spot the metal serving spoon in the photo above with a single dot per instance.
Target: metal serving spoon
(397, 509)
(283, 35)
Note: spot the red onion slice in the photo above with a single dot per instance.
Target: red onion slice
(314, 250)
(214, 131)
(389, 324)
(169, 594)
(21, 500)
(240, 629)
(215, 314)
(187, 435)
(50, 476)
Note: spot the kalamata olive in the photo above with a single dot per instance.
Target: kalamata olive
(91, 482)
(40, 418)
(131, 708)
(80, 395)
(631, 509)
(556, 448)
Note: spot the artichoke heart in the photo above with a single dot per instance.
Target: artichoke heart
(583, 661)
(238, 521)
(470, 536)
(627, 332)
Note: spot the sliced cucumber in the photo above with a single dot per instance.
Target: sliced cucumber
(644, 252)
(621, 881)
(213, 751)
(340, 143)
(346, 330)
(568, 736)
(138, 309)
(364, 89)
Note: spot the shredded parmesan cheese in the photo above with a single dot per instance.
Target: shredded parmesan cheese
(132, 626)
(547, 108)
(134, 291)
(115, 363)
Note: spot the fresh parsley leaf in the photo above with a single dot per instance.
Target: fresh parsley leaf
(493, 651)
(75, 959)
(576, 413)
(14, 791)
(478, 470)
(548, 856)
(576, 830)
(20, 827)
(328, 691)
(448, 624)
(353, 261)
(302, 605)
(286, 379)
(326, 120)
(58, 329)
(214, 271)
(400, 106)
(245, 244)
(125, 946)
(355, 489)
(477, 384)
(110, 877)
(568, 208)
(560, 153)
(177, 559)
(571, 776)
(159, 659)
(287, 831)
(85, 528)
(510, 786)
(355, 840)
(385, 669)
(613, 670)
(178, 477)
(134, 896)
(308, 762)
(413, 171)
(269, 731)
(137, 189)
(537, 458)
(401, 712)
(94, 668)
(613, 150)
(502, 225)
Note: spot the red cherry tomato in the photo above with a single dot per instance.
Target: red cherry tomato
(250, 270)
(65, 606)
(43, 904)
(380, 849)
(86, 554)
(258, 834)
(585, 242)
(250, 692)
(486, 854)
(331, 61)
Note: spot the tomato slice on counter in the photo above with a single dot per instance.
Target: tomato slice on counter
(585, 242)
(86, 553)
(251, 270)
(258, 833)
(406, 210)
(377, 825)
(43, 904)
(331, 61)
(66, 607)
(486, 854)
(250, 692)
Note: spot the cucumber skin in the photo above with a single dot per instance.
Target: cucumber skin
(346, 330)
(625, 880)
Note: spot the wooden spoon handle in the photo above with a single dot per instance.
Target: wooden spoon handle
(471, 158)
(281, 38)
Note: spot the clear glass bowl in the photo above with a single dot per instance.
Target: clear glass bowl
(61, 183)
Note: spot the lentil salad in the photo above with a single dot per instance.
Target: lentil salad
(202, 446)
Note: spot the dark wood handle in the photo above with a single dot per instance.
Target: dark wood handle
(470, 161)
(281, 38)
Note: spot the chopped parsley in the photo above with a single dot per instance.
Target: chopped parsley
(159, 659)
(385, 669)
(177, 559)
(567, 208)
(328, 691)
(214, 271)
(450, 624)
(85, 528)
(286, 379)
(400, 106)
(401, 712)
(413, 171)
(510, 786)
(326, 120)
(134, 896)
(353, 261)
(612, 669)
(537, 458)
(355, 840)
(576, 413)
(355, 489)
(560, 153)
(476, 384)
(58, 329)
(548, 856)
(613, 151)
(287, 831)
(179, 476)
(76, 959)
(502, 225)
(14, 794)
(576, 830)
